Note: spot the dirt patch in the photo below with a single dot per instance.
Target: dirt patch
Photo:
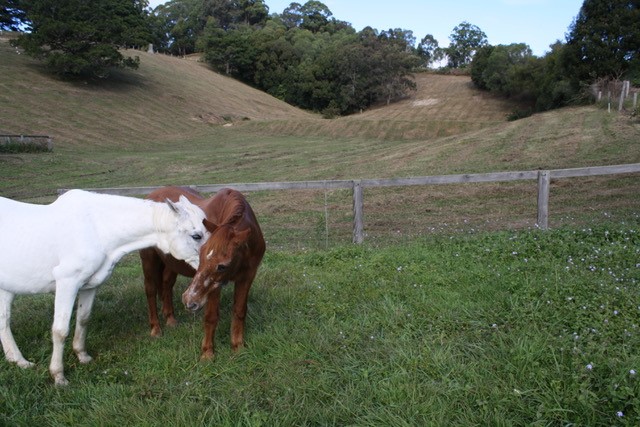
(425, 102)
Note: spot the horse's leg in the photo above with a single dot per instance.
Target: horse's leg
(152, 267)
(85, 302)
(66, 291)
(168, 281)
(11, 350)
(211, 316)
(240, 296)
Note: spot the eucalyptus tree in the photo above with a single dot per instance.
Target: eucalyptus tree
(465, 39)
(429, 51)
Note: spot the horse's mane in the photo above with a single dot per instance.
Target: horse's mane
(234, 209)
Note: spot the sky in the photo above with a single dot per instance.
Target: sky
(537, 23)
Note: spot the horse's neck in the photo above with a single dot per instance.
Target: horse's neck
(140, 224)
(163, 219)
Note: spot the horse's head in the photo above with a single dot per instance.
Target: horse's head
(187, 232)
(219, 259)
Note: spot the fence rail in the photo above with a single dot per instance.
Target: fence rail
(543, 177)
(39, 141)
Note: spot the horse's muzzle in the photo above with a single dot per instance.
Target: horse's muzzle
(193, 306)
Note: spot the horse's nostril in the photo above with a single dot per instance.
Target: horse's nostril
(193, 306)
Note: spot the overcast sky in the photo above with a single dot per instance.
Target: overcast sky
(538, 23)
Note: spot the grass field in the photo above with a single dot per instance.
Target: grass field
(456, 311)
(503, 328)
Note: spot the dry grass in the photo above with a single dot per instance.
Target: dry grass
(441, 106)
(167, 98)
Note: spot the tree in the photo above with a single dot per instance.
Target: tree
(78, 38)
(429, 51)
(466, 39)
(292, 15)
(313, 61)
(604, 40)
(231, 51)
(178, 24)
(513, 71)
(252, 12)
(493, 67)
(402, 38)
(315, 16)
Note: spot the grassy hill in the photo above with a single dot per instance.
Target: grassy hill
(174, 121)
(167, 98)
(441, 106)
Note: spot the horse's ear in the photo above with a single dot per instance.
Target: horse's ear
(180, 206)
(243, 235)
(174, 207)
(210, 226)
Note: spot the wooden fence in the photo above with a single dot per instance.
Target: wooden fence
(543, 177)
(40, 142)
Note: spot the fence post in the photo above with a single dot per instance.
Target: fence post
(627, 88)
(544, 179)
(358, 222)
(621, 100)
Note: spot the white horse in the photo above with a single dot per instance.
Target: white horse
(71, 246)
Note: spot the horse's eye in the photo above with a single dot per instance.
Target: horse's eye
(197, 237)
(220, 268)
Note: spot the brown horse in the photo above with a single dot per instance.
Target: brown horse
(232, 253)
(238, 235)
(160, 270)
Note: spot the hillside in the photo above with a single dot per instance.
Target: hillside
(170, 99)
(441, 106)
(170, 103)
(167, 98)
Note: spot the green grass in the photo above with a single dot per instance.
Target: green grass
(506, 328)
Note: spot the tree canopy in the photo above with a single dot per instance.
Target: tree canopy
(310, 59)
(466, 39)
(604, 39)
(79, 38)
(603, 43)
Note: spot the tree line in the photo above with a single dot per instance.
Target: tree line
(602, 44)
(308, 58)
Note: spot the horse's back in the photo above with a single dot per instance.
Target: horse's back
(173, 193)
(28, 251)
(36, 238)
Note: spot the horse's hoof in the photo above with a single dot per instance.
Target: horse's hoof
(172, 322)
(156, 332)
(60, 380)
(84, 357)
(24, 364)
(207, 355)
